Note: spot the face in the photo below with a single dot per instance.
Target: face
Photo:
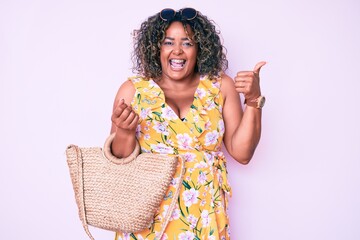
(178, 52)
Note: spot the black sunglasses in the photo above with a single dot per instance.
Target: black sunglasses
(168, 14)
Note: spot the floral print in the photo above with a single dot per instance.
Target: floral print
(201, 209)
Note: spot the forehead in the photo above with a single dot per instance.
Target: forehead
(177, 28)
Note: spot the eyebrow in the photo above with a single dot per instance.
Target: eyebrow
(184, 39)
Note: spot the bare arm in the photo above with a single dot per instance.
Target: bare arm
(242, 127)
(124, 121)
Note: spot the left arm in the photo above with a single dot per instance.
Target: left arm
(242, 128)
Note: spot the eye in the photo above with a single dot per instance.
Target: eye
(167, 43)
(188, 44)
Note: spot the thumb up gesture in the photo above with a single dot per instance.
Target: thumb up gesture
(248, 82)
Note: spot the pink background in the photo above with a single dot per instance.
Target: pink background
(61, 63)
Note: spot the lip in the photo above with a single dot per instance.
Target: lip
(177, 64)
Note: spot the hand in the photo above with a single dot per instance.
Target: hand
(248, 82)
(125, 118)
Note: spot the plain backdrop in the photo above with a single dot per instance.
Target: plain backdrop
(61, 63)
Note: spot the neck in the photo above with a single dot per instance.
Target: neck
(179, 84)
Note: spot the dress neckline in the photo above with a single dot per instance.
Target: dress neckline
(188, 109)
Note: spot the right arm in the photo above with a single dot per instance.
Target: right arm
(124, 121)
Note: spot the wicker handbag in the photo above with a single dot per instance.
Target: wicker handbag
(120, 195)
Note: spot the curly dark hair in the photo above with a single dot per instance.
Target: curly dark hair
(211, 57)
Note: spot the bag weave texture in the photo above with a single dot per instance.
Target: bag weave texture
(119, 194)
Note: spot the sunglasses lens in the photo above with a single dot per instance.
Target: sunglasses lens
(167, 14)
(189, 13)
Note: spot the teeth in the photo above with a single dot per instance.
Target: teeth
(177, 63)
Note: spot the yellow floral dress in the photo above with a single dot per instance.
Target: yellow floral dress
(201, 209)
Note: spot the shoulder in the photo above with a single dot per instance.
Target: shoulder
(226, 80)
(227, 85)
(126, 91)
(127, 86)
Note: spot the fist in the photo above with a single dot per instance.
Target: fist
(248, 82)
(124, 117)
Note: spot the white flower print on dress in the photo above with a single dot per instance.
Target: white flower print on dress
(147, 136)
(135, 80)
(184, 141)
(153, 84)
(211, 138)
(221, 127)
(216, 84)
(154, 93)
(201, 165)
(145, 150)
(202, 178)
(219, 177)
(164, 236)
(210, 158)
(169, 142)
(196, 118)
(168, 113)
(145, 112)
(207, 125)
(192, 220)
(165, 210)
(161, 127)
(210, 104)
(187, 236)
(201, 93)
(162, 148)
(175, 214)
(174, 181)
(205, 218)
(190, 197)
(188, 157)
(126, 236)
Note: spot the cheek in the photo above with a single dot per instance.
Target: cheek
(193, 55)
(164, 53)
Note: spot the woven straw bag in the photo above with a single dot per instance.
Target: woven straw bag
(120, 195)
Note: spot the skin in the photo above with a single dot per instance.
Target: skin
(243, 127)
(179, 85)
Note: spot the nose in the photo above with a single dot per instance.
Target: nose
(178, 49)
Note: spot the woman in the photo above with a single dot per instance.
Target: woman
(183, 103)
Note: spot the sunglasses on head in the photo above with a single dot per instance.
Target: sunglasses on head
(168, 14)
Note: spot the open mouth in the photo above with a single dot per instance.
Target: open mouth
(177, 63)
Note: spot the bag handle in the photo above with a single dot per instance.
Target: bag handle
(80, 188)
(174, 199)
(110, 156)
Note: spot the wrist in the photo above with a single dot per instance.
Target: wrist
(258, 102)
(123, 144)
